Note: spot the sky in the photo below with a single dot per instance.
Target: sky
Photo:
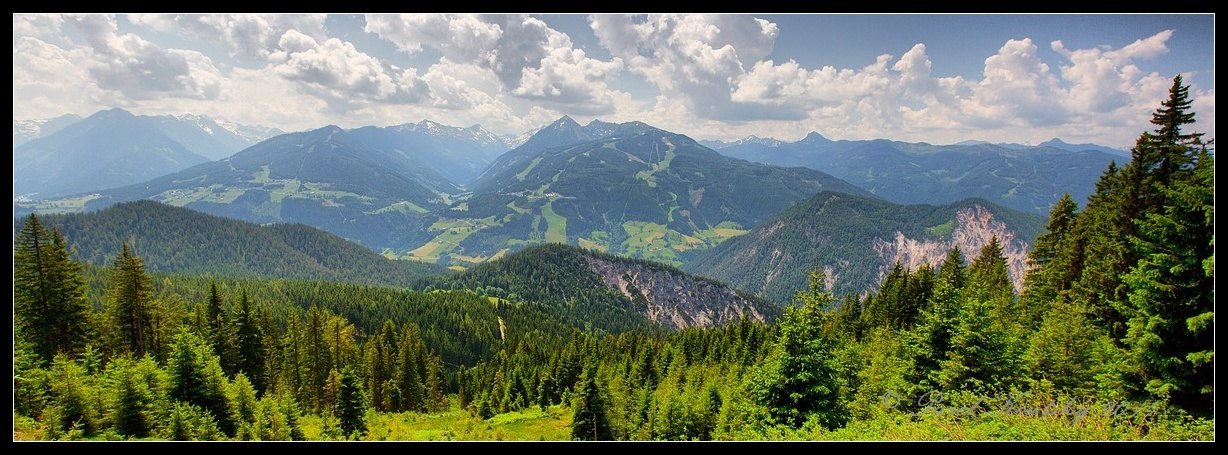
(920, 78)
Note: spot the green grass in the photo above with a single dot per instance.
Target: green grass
(532, 424)
(942, 230)
(651, 241)
(405, 207)
(512, 205)
(525, 173)
(451, 233)
(72, 205)
(556, 226)
(649, 175)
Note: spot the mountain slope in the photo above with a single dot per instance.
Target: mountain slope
(606, 291)
(206, 137)
(1029, 179)
(458, 154)
(28, 130)
(856, 240)
(68, 155)
(106, 150)
(324, 178)
(637, 191)
(172, 239)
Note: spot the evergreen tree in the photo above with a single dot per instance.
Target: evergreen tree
(1172, 291)
(799, 379)
(1063, 349)
(952, 269)
(589, 420)
(249, 343)
(133, 388)
(1049, 266)
(48, 292)
(380, 365)
(196, 378)
(351, 403)
(131, 307)
(220, 333)
(1170, 150)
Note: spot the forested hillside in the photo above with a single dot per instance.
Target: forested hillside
(858, 240)
(173, 239)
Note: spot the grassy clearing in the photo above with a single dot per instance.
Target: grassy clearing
(649, 175)
(68, 205)
(944, 229)
(556, 225)
(451, 233)
(525, 173)
(405, 207)
(533, 424)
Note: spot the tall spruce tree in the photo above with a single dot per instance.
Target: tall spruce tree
(1172, 291)
(1049, 264)
(249, 343)
(799, 379)
(589, 420)
(48, 292)
(351, 404)
(131, 307)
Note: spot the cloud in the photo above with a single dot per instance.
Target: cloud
(139, 69)
(714, 77)
(530, 59)
(45, 26)
(341, 75)
(697, 56)
(48, 80)
(250, 35)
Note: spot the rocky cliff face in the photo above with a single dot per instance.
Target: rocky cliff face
(974, 227)
(676, 300)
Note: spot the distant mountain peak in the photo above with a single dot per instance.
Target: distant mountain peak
(564, 121)
(112, 113)
(814, 136)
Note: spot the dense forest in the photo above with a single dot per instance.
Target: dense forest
(179, 240)
(1111, 339)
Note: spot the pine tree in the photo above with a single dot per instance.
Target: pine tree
(351, 403)
(589, 420)
(1170, 150)
(799, 379)
(1063, 349)
(133, 388)
(952, 269)
(196, 378)
(1172, 292)
(220, 333)
(1049, 266)
(48, 292)
(932, 336)
(249, 344)
(980, 358)
(380, 366)
(131, 307)
(408, 375)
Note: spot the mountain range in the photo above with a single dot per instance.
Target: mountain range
(1016, 176)
(68, 155)
(451, 196)
(28, 130)
(629, 189)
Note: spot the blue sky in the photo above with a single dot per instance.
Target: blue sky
(932, 78)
